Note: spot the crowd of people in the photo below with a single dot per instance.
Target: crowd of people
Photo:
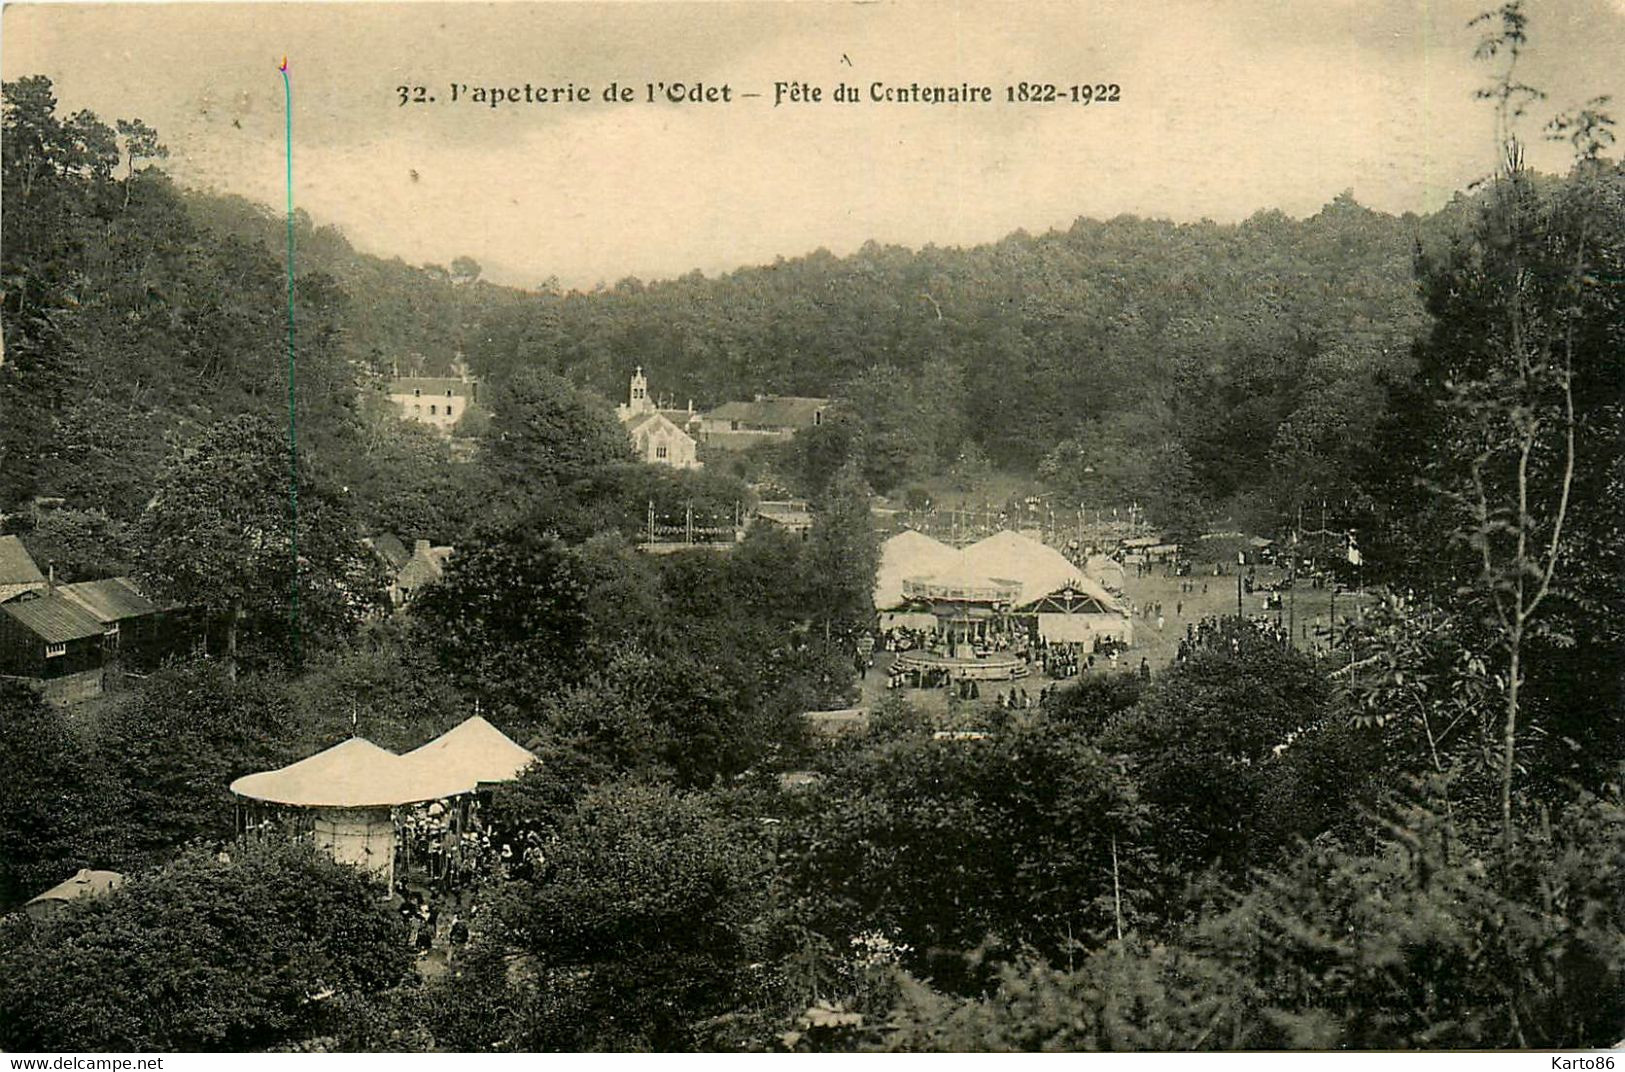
(941, 642)
(445, 859)
(1226, 633)
(1017, 699)
(1062, 661)
(1059, 661)
(452, 852)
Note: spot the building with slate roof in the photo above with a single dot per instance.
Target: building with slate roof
(390, 551)
(424, 567)
(766, 419)
(54, 644)
(657, 435)
(18, 572)
(438, 401)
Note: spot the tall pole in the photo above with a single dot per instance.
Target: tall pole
(1332, 613)
(293, 431)
(1291, 612)
(1117, 892)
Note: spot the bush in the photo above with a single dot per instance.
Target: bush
(950, 846)
(202, 954)
(1419, 944)
(641, 927)
(54, 803)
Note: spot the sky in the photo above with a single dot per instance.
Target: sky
(1227, 107)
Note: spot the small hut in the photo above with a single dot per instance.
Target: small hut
(86, 883)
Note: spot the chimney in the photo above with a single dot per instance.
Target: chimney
(420, 547)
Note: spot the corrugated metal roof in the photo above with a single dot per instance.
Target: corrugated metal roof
(16, 564)
(113, 599)
(8, 591)
(54, 618)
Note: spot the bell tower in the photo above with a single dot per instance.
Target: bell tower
(637, 400)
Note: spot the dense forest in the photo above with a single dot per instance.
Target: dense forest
(1195, 367)
(1191, 363)
(1412, 837)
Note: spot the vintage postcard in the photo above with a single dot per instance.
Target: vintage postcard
(811, 527)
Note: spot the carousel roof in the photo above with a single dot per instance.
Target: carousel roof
(474, 751)
(1105, 570)
(908, 554)
(1007, 567)
(353, 774)
(1038, 568)
(965, 581)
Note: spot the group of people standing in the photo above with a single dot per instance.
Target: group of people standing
(423, 915)
(438, 898)
(1226, 634)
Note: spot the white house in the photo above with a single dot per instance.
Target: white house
(439, 401)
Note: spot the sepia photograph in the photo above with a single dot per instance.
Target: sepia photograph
(801, 527)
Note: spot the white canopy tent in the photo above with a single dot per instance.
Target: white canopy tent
(353, 774)
(1037, 567)
(908, 554)
(350, 792)
(1106, 571)
(1068, 605)
(473, 751)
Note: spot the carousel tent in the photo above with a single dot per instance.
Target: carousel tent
(1106, 571)
(1038, 568)
(962, 601)
(473, 751)
(349, 793)
(354, 774)
(1069, 605)
(963, 581)
(908, 554)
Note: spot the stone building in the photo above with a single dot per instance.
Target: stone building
(659, 436)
